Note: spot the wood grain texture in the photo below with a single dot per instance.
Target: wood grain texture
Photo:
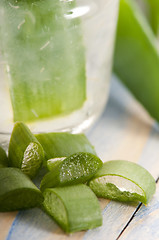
(145, 224)
(124, 131)
(6, 220)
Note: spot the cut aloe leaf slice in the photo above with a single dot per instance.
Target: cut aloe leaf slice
(74, 208)
(25, 152)
(17, 191)
(123, 181)
(45, 56)
(75, 169)
(3, 158)
(136, 58)
(54, 162)
(64, 144)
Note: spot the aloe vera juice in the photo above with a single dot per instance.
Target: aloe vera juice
(55, 62)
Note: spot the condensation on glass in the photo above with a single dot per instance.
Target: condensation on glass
(96, 20)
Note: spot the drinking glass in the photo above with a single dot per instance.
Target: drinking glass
(55, 62)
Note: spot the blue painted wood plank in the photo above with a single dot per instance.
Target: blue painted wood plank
(31, 224)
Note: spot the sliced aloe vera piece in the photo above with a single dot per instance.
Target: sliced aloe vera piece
(17, 191)
(75, 169)
(54, 162)
(25, 152)
(74, 208)
(64, 144)
(136, 58)
(3, 158)
(45, 56)
(123, 181)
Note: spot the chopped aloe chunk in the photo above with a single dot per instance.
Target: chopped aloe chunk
(74, 208)
(17, 191)
(25, 152)
(75, 169)
(3, 158)
(64, 144)
(123, 181)
(45, 56)
(136, 58)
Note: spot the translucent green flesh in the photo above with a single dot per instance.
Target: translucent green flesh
(32, 159)
(54, 206)
(25, 152)
(79, 168)
(111, 191)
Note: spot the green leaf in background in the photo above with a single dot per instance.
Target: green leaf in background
(74, 208)
(154, 15)
(17, 191)
(136, 59)
(45, 55)
(3, 158)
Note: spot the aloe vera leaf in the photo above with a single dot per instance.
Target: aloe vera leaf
(64, 144)
(75, 169)
(136, 58)
(17, 191)
(25, 152)
(154, 15)
(123, 181)
(3, 158)
(46, 58)
(74, 208)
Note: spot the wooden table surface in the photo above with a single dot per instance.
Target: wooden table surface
(124, 131)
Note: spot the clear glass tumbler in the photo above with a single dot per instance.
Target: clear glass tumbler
(55, 62)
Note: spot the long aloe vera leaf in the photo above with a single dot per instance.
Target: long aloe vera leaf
(25, 152)
(136, 59)
(3, 158)
(17, 191)
(75, 169)
(64, 144)
(45, 57)
(154, 15)
(74, 208)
